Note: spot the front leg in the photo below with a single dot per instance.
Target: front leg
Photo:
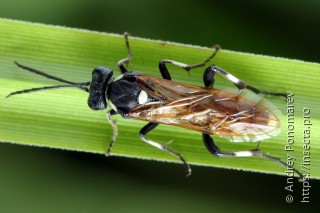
(115, 131)
(128, 58)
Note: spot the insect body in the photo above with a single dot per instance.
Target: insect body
(235, 116)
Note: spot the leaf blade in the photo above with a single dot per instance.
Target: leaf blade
(61, 118)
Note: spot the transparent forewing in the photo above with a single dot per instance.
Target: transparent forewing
(162, 89)
(238, 117)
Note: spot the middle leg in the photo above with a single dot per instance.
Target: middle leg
(149, 127)
(113, 124)
(165, 73)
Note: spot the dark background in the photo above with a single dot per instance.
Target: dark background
(44, 180)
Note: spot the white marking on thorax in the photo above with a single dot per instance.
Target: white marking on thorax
(143, 97)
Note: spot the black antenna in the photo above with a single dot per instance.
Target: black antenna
(81, 85)
(50, 87)
(45, 74)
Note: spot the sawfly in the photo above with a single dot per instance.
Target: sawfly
(237, 116)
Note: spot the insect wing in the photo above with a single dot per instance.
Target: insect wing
(237, 117)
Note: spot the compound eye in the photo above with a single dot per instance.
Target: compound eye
(98, 75)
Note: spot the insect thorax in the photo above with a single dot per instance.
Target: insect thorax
(125, 93)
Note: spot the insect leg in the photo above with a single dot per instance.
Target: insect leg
(214, 149)
(115, 130)
(208, 79)
(150, 126)
(128, 58)
(263, 92)
(165, 73)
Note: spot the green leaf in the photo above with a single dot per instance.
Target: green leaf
(61, 118)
